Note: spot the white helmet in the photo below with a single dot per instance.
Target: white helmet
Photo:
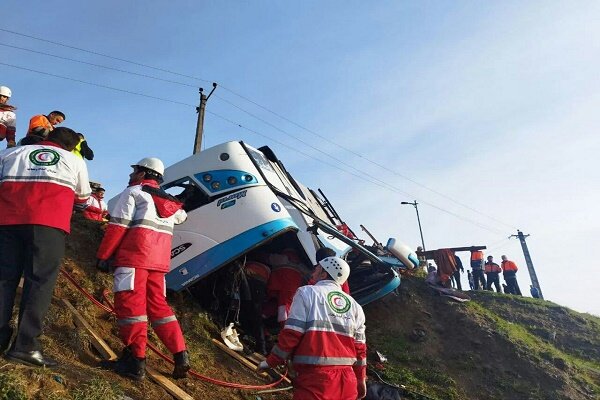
(5, 91)
(338, 269)
(151, 163)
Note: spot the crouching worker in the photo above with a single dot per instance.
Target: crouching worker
(325, 335)
(138, 241)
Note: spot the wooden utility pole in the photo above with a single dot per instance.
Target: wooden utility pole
(200, 122)
(532, 274)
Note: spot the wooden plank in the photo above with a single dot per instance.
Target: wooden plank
(429, 253)
(255, 358)
(241, 359)
(98, 343)
(166, 384)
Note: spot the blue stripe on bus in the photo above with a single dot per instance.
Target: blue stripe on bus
(388, 288)
(217, 256)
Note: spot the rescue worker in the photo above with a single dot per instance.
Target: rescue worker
(138, 239)
(325, 336)
(287, 275)
(492, 273)
(325, 252)
(41, 125)
(8, 118)
(39, 185)
(510, 276)
(477, 267)
(422, 258)
(95, 208)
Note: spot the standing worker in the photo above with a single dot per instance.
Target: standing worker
(510, 276)
(459, 268)
(138, 238)
(39, 184)
(8, 118)
(325, 335)
(477, 267)
(492, 272)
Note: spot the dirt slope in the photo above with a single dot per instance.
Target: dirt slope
(495, 347)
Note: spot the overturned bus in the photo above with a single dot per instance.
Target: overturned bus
(241, 201)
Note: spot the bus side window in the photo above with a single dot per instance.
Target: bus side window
(188, 192)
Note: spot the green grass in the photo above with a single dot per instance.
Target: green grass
(538, 348)
(97, 389)
(12, 387)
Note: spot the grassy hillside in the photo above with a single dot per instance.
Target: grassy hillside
(495, 347)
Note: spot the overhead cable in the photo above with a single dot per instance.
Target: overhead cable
(258, 105)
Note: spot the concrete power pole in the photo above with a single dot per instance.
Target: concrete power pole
(532, 274)
(200, 122)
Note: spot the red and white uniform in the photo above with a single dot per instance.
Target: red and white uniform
(8, 122)
(325, 337)
(138, 237)
(39, 184)
(95, 208)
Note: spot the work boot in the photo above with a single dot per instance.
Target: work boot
(127, 365)
(182, 364)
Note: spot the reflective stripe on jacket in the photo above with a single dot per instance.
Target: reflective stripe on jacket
(325, 327)
(39, 185)
(140, 229)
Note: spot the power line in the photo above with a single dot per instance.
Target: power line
(98, 65)
(96, 84)
(258, 105)
(373, 181)
(103, 55)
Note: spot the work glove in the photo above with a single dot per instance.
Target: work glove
(104, 266)
(262, 366)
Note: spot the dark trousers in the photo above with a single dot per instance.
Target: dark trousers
(512, 285)
(34, 252)
(456, 275)
(478, 278)
(493, 278)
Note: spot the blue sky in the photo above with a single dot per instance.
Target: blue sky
(492, 104)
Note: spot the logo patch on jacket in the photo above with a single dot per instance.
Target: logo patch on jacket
(44, 157)
(338, 302)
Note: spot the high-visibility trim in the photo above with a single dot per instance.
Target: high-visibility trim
(145, 223)
(360, 363)
(315, 360)
(280, 353)
(132, 320)
(124, 222)
(327, 326)
(163, 321)
(62, 182)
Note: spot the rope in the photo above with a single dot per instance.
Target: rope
(110, 309)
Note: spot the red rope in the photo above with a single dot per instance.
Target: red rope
(110, 309)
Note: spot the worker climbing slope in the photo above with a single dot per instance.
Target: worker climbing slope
(138, 238)
(8, 118)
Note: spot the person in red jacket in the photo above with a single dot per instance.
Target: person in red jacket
(95, 208)
(325, 336)
(8, 118)
(39, 185)
(138, 240)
